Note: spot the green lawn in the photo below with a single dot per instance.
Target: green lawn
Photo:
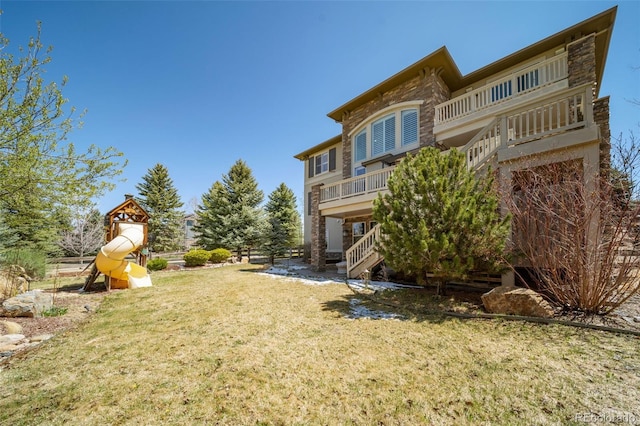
(230, 346)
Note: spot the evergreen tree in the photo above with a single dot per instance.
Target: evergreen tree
(159, 197)
(235, 220)
(283, 222)
(209, 228)
(7, 238)
(439, 218)
(243, 220)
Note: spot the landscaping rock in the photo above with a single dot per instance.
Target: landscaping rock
(12, 283)
(40, 338)
(11, 339)
(30, 304)
(10, 327)
(509, 300)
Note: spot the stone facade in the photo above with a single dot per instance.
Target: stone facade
(601, 118)
(318, 232)
(581, 61)
(427, 87)
(347, 234)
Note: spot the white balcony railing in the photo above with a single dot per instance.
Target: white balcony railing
(572, 109)
(561, 114)
(499, 91)
(565, 112)
(359, 185)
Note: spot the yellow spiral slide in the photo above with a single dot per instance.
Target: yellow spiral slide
(110, 260)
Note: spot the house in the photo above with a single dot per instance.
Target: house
(537, 106)
(189, 221)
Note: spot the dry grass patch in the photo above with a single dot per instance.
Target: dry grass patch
(230, 346)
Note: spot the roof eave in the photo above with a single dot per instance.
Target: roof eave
(304, 155)
(439, 60)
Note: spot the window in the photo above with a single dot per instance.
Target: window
(357, 231)
(528, 80)
(361, 146)
(409, 126)
(325, 162)
(322, 163)
(360, 171)
(378, 137)
(383, 134)
(501, 91)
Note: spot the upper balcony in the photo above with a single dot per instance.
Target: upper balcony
(473, 109)
(567, 117)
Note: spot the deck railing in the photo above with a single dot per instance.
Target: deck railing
(508, 87)
(363, 249)
(570, 111)
(359, 185)
(563, 113)
(482, 147)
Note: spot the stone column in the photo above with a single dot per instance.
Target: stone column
(601, 118)
(318, 232)
(581, 61)
(437, 92)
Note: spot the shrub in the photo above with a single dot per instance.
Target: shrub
(197, 257)
(55, 311)
(439, 221)
(157, 264)
(219, 255)
(33, 261)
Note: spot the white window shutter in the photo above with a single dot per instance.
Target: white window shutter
(361, 146)
(409, 126)
(377, 138)
(390, 133)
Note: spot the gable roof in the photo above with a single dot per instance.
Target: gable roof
(601, 25)
(128, 211)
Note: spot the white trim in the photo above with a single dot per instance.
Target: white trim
(384, 111)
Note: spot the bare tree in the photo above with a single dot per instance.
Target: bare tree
(580, 238)
(85, 235)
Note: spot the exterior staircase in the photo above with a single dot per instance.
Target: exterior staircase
(363, 255)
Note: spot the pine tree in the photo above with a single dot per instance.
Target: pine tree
(7, 238)
(439, 218)
(243, 221)
(159, 197)
(209, 227)
(235, 219)
(283, 222)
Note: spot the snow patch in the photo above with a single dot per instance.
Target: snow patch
(357, 311)
(290, 274)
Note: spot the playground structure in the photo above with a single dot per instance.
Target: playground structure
(126, 235)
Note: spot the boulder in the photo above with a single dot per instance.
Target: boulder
(10, 327)
(14, 280)
(509, 300)
(30, 304)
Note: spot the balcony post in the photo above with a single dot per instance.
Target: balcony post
(588, 106)
(504, 132)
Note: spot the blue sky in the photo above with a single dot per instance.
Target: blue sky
(197, 85)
